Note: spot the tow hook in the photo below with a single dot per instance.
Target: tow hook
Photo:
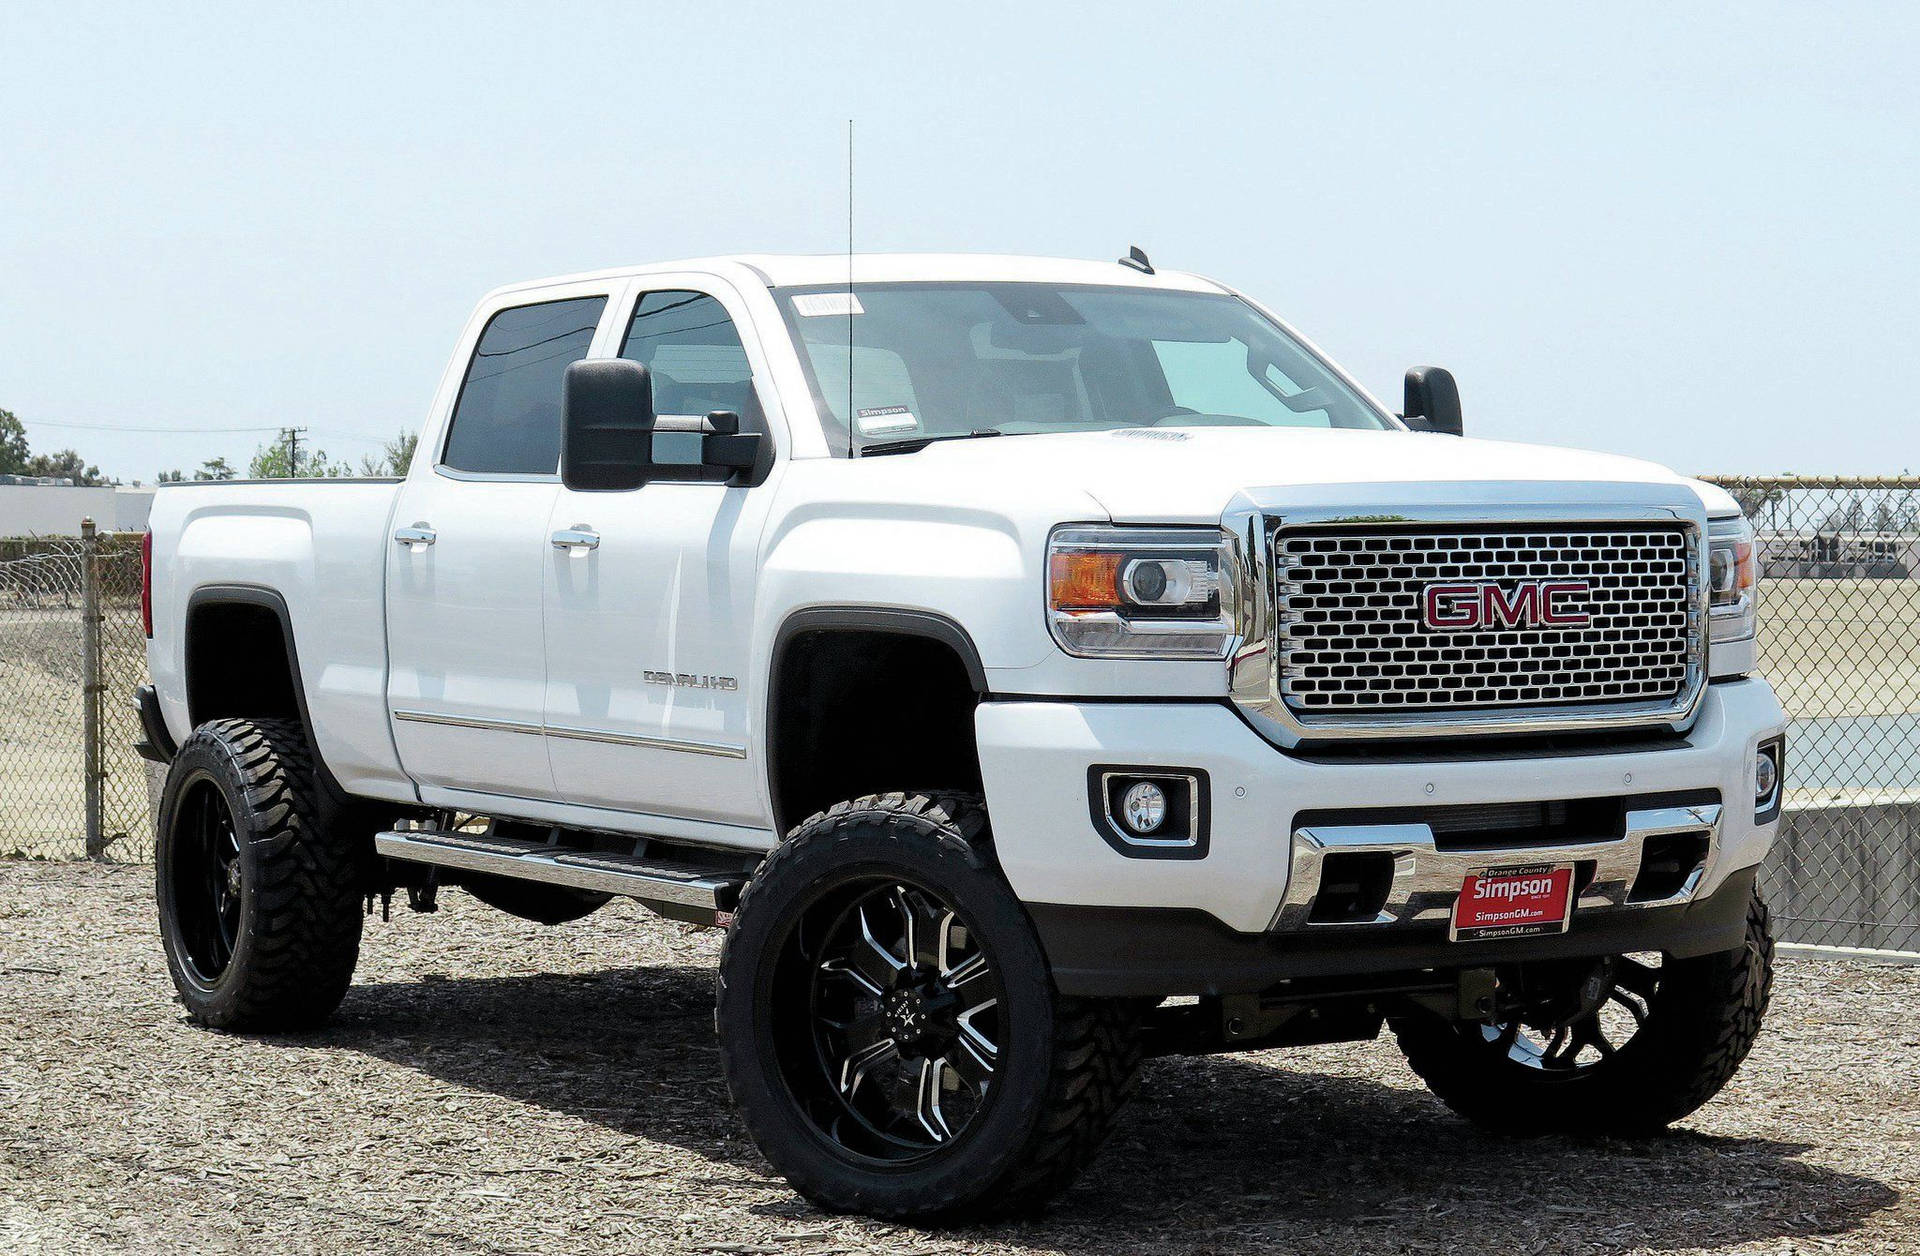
(1478, 990)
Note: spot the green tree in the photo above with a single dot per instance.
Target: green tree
(394, 457)
(1757, 499)
(13, 445)
(211, 469)
(67, 465)
(272, 462)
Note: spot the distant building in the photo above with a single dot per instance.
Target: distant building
(40, 506)
(1842, 555)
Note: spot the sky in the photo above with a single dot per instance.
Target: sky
(1686, 233)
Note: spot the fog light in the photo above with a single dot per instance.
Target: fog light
(1769, 779)
(1150, 812)
(1766, 777)
(1144, 807)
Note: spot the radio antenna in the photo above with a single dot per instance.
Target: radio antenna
(853, 437)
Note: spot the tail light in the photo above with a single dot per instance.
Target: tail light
(146, 582)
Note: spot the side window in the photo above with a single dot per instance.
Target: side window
(690, 347)
(688, 343)
(507, 420)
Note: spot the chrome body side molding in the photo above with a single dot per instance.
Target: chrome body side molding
(723, 750)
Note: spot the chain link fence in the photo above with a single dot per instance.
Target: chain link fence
(1840, 640)
(70, 781)
(1839, 632)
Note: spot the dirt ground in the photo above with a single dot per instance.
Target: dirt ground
(496, 1087)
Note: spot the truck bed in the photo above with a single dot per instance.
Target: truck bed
(320, 547)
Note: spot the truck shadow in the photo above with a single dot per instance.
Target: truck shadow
(1215, 1153)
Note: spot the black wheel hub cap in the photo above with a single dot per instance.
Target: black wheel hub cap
(909, 1016)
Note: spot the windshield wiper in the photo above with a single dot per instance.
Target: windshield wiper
(914, 444)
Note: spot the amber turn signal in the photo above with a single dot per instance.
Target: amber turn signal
(1085, 582)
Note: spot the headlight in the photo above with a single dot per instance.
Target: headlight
(1733, 573)
(1167, 593)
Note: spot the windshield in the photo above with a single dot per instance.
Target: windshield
(937, 359)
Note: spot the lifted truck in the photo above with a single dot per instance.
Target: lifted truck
(1207, 706)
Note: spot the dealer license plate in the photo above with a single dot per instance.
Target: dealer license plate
(1514, 902)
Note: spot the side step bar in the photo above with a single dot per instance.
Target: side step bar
(682, 891)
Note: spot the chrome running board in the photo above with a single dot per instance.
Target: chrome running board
(681, 890)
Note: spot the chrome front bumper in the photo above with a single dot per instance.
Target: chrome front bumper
(1426, 880)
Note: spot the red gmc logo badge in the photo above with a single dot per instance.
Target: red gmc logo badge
(1468, 606)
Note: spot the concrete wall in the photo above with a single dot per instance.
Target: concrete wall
(1847, 873)
(51, 510)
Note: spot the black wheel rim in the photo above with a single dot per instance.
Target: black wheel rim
(206, 880)
(888, 1020)
(1563, 1040)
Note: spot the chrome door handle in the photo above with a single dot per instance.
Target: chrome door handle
(415, 538)
(576, 540)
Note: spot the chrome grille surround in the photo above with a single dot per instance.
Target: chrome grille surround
(1333, 650)
(1352, 637)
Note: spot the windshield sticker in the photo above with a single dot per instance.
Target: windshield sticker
(825, 304)
(884, 420)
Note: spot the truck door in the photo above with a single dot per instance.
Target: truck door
(649, 615)
(467, 564)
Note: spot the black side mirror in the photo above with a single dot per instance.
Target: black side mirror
(726, 446)
(1433, 400)
(606, 442)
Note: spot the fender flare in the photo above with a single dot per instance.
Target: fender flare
(274, 602)
(891, 620)
(894, 621)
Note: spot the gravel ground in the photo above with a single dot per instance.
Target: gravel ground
(491, 1086)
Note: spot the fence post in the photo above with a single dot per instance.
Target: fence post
(92, 682)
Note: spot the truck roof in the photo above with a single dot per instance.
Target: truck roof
(806, 269)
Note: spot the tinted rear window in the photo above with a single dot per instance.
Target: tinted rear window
(507, 420)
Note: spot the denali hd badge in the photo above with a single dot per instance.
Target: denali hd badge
(1472, 605)
(690, 680)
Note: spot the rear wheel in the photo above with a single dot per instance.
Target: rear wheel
(1624, 1045)
(889, 1028)
(259, 895)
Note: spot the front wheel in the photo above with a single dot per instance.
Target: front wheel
(1622, 1046)
(889, 1028)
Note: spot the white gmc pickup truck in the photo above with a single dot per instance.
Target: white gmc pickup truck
(1032, 665)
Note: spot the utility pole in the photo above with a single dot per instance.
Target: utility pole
(292, 436)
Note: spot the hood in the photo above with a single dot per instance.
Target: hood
(1190, 475)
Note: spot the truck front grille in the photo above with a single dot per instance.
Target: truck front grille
(1355, 634)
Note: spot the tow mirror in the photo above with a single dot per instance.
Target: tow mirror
(725, 446)
(1433, 400)
(606, 442)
